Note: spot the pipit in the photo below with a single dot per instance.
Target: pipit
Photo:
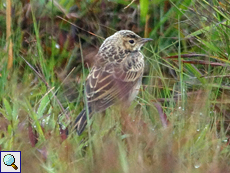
(116, 75)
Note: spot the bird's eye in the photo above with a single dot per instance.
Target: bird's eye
(131, 41)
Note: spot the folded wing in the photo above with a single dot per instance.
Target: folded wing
(113, 82)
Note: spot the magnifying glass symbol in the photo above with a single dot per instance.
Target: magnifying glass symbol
(9, 160)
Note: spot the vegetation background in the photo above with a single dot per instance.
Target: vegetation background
(178, 123)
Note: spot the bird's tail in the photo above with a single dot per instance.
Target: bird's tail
(81, 121)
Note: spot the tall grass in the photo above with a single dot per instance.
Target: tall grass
(186, 80)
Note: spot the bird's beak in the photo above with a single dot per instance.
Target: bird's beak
(144, 40)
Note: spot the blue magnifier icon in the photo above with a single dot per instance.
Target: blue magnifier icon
(9, 160)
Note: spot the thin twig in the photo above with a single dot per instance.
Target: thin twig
(8, 35)
(79, 27)
(130, 4)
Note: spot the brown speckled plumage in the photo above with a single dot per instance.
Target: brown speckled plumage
(116, 75)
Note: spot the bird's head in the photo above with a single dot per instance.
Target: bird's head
(126, 40)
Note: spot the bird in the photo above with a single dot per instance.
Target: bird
(116, 75)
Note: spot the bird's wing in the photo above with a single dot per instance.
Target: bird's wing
(113, 81)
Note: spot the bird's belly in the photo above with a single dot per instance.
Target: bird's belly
(133, 93)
